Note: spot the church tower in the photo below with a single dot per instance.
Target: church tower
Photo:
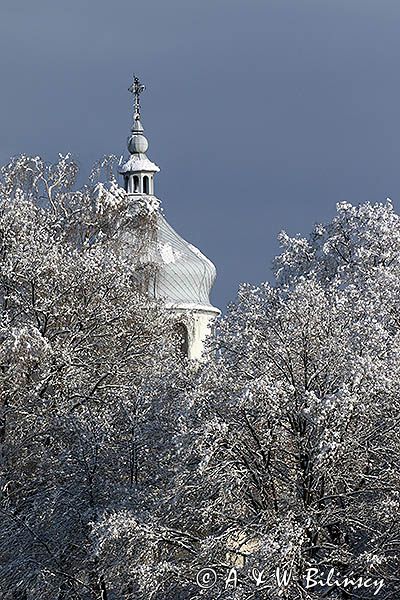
(183, 276)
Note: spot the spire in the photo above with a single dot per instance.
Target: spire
(136, 89)
(137, 142)
(138, 171)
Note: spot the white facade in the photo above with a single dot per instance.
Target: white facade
(197, 323)
(183, 276)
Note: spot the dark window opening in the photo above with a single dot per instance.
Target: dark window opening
(135, 184)
(126, 181)
(182, 338)
(145, 184)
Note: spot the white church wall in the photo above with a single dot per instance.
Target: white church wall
(198, 323)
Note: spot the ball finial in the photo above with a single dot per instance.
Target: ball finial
(137, 144)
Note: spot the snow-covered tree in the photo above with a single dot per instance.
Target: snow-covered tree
(125, 471)
(86, 362)
(290, 443)
(300, 441)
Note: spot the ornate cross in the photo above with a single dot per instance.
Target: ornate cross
(136, 89)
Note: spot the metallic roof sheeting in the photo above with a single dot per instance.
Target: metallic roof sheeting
(183, 274)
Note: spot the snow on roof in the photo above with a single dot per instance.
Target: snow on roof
(139, 162)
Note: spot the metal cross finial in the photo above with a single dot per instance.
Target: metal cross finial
(136, 89)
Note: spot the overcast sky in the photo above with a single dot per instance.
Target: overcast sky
(262, 114)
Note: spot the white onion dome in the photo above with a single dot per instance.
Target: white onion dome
(184, 276)
(181, 277)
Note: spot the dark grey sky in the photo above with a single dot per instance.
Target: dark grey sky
(262, 114)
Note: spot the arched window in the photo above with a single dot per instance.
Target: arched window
(136, 184)
(145, 184)
(182, 339)
(126, 182)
